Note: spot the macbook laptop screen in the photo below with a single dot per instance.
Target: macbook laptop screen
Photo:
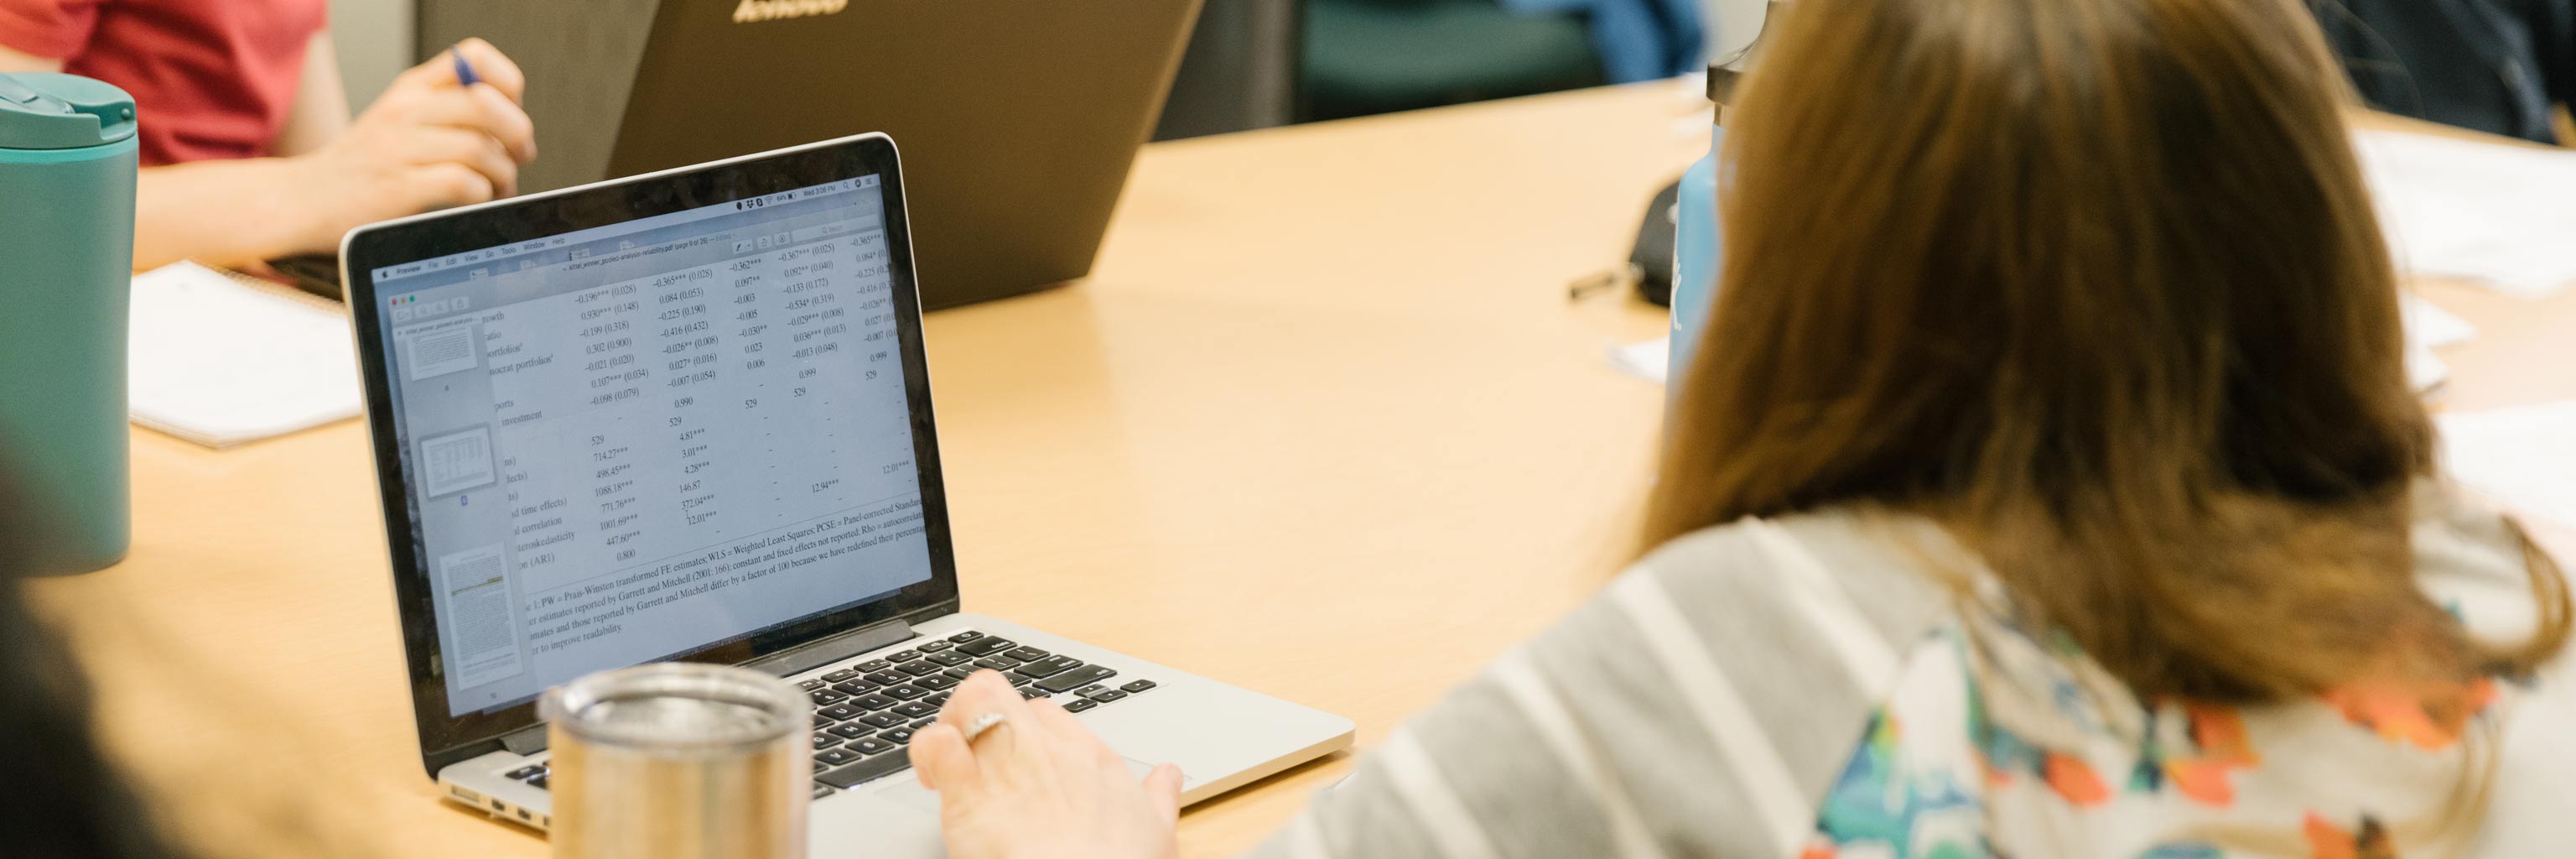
(631, 442)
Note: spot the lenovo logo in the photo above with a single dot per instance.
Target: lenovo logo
(778, 10)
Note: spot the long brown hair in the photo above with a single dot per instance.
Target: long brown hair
(2096, 284)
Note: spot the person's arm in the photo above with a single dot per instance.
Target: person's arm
(1702, 706)
(171, 203)
(222, 213)
(321, 109)
(428, 143)
(20, 62)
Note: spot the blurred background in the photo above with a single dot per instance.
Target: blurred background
(1251, 63)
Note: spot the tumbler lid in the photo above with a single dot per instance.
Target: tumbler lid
(53, 111)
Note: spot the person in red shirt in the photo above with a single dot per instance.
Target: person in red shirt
(248, 147)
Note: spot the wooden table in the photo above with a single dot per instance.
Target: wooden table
(1324, 424)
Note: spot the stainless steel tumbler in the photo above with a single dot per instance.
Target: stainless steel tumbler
(679, 761)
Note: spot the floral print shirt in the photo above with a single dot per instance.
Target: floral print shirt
(1999, 740)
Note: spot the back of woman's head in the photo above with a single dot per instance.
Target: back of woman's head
(2095, 282)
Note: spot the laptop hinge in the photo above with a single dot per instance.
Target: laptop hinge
(525, 741)
(834, 649)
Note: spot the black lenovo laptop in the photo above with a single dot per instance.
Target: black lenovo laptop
(1019, 121)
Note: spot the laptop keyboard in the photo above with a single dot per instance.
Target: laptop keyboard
(865, 713)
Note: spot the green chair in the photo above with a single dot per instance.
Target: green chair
(1376, 56)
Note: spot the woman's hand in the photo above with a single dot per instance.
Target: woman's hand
(1039, 784)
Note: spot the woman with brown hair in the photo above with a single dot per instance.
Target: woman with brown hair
(2049, 485)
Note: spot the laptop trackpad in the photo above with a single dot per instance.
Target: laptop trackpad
(909, 792)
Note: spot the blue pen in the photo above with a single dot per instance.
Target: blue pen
(465, 75)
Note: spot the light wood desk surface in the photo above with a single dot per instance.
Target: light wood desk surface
(1323, 424)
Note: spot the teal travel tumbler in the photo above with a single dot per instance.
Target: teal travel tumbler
(67, 170)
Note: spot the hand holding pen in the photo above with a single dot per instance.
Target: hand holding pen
(448, 132)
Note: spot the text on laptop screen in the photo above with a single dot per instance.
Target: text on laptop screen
(632, 442)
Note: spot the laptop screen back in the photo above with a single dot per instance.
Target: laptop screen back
(1019, 120)
(631, 442)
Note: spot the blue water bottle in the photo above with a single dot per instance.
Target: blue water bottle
(1695, 248)
(67, 173)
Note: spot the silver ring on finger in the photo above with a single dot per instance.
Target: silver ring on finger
(981, 724)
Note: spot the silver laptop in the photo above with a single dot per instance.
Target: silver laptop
(685, 417)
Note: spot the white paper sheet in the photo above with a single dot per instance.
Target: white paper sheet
(2428, 327)
(1646, 360)
(2431, 327)
(219, 362)
(2524, 457)
(2499, 215)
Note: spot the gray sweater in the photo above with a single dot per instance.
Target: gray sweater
(1706, 702)
(1734, 669)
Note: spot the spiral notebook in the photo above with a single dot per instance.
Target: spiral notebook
(222, 360)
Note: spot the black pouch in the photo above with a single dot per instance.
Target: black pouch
(1651, 261)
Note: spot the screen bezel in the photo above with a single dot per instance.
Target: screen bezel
(445, 739)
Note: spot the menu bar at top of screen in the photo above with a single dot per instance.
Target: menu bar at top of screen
(566, 244)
